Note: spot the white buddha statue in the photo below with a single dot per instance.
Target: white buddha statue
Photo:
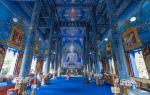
(72, 56)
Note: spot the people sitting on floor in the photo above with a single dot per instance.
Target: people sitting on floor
(68, 77)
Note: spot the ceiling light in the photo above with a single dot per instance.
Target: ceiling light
(106, 39)
(15, 19)
(132, 19)
(39, 39)
(54, 52)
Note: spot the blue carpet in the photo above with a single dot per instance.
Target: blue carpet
(75, 86)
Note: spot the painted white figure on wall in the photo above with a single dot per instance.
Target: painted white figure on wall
(72, 57)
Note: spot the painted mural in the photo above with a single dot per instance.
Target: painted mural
(131, 39)
(73, 31)
(74, 13)
(72, 53)
(16, 37)
(72, 46)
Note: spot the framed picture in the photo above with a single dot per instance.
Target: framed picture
(131, 39)
(16, 37)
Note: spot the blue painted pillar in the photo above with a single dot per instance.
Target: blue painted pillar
(58, 48)
(117, 44)
(94, 39)
(59, 54)
(56, 53)
(86, 51)
(59, 51)
(26, 63)
(41, 57)
(84, 54)
(47, 65)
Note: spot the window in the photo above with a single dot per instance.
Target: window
(9, 62)
(44, 66)
(33, 65)
(111, 66)
(138, 65)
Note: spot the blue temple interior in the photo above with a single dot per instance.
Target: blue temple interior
(74, 47)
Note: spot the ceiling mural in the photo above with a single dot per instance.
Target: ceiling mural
(73, 14)
(73, 31)
(75, 10)
(60, 2)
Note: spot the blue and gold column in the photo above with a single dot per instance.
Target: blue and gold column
(94, 40)
(56, 56)
(95, 46)
(47, 67)
(117, 44)
(22, 80)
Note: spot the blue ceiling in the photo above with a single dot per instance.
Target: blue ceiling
(74, 10)
(73, 14)
(73, 32)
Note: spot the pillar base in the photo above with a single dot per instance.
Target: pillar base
(22, 88)
(97, 81)
(45, 80)
(21, 85)
(33, 92)
(124, 91)
(55, 76)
